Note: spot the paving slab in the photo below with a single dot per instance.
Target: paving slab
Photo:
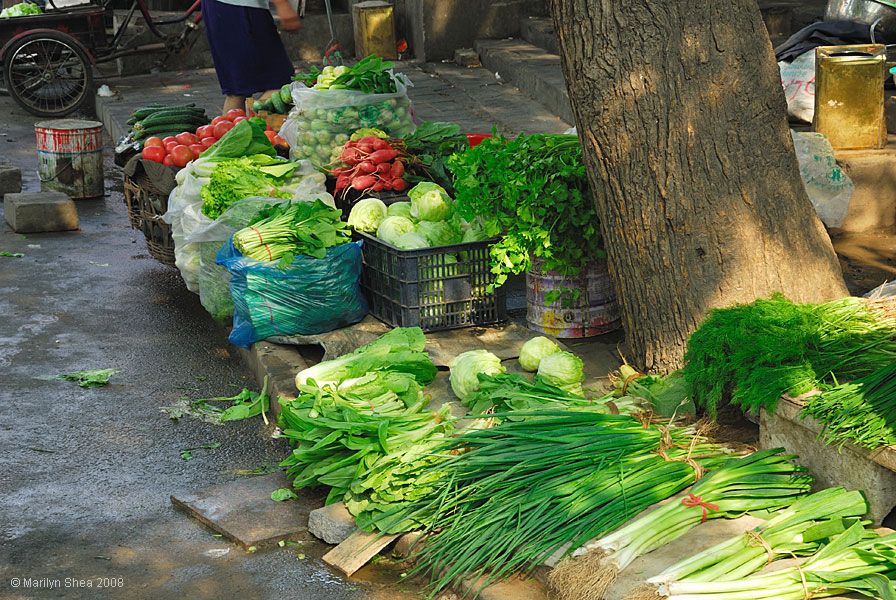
(242, 510)
(38, 212)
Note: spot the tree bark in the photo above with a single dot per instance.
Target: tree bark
(682, 116)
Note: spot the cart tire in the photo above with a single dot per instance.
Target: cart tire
(48, 74)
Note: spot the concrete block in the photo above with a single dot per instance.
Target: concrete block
(874, 473)
(873, 204)
(332, 524)
(466, 57)
(10, 180)
(40, 211)
(405, 544)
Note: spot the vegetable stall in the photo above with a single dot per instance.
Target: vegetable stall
(349, 206)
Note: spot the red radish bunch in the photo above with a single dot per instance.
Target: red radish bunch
(180, 149)
(372, 164)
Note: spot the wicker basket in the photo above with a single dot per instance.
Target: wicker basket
(151, 204)
(131, 192)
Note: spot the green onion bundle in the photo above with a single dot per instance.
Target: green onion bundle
(862, 411)
(527, 489)
(857, 560)
(798, 530)
(765, 480)
(753, 354)
(506, 392)
(284, 231)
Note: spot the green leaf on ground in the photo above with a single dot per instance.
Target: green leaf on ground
(187, 453)
(244, 405)
(91, 378)
(283, 494)
(11, 254)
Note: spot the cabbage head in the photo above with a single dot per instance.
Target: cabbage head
(399, 209)
(439, 233)
(429, 202)
(411, 241)
(465, 370)
(393, 228)
(564, 370)
(367, 215)
(534, 350)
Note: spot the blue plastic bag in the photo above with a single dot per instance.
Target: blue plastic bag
(312, 295)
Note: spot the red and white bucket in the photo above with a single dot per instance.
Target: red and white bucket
(70, 157)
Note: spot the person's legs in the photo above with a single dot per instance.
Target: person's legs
(232, 102)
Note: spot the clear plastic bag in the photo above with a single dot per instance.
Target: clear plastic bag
(322, 121)
(828, 187)
(310, 296)
(186, 218)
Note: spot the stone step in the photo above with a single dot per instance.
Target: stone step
(535, 71)
(539, 31)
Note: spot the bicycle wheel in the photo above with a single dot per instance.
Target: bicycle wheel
(48, 74)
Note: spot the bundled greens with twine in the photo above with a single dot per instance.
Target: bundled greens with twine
(752, 354)
(765, 480)
(526, 490)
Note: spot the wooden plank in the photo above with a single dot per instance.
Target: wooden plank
(357, 551)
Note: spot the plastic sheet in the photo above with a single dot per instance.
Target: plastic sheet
(310, 296)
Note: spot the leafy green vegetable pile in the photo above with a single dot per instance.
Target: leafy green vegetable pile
(371, 75)
(23, 9)
(431, 144)
(238, 178)
(752, 354)
(862, 411)
(245, 405)
(532, 190)
(280, 232)
(247, 138)
(360, 427)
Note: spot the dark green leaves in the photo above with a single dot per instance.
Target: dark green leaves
(245, 139)
(90, 379)
(535, 190)
(369, 75)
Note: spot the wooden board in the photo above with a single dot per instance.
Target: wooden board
(357, 551)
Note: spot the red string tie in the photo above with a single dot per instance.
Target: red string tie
(693, 500)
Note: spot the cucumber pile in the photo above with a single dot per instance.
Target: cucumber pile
(162, 121)
(279, 103)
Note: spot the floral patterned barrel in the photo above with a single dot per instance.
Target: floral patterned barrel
(571, 307)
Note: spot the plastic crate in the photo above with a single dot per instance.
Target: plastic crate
(422, 288)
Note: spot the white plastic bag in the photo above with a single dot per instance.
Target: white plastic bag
(322, 121)
(828, 187)
(798, 79)
(186, 218)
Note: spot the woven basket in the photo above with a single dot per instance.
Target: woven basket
(151, 204)
(131, 192)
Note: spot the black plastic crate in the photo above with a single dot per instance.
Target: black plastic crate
(423, 288)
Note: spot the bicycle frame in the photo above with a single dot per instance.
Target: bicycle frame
(191, 17)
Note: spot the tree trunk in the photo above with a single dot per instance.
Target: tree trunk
(681, 112)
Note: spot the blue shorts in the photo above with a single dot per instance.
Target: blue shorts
(248, 53)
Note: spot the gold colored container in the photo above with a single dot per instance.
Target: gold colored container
(374, 23)
(849, 95)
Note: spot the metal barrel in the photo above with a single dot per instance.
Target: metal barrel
(593, 312)
(70, 157)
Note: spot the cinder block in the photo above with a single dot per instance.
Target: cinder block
(36, 212)
(10, 180)
(466, 57)
(332, 524)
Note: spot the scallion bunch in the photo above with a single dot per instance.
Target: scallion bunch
(764, 480)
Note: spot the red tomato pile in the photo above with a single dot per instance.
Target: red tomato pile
(180, 149)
